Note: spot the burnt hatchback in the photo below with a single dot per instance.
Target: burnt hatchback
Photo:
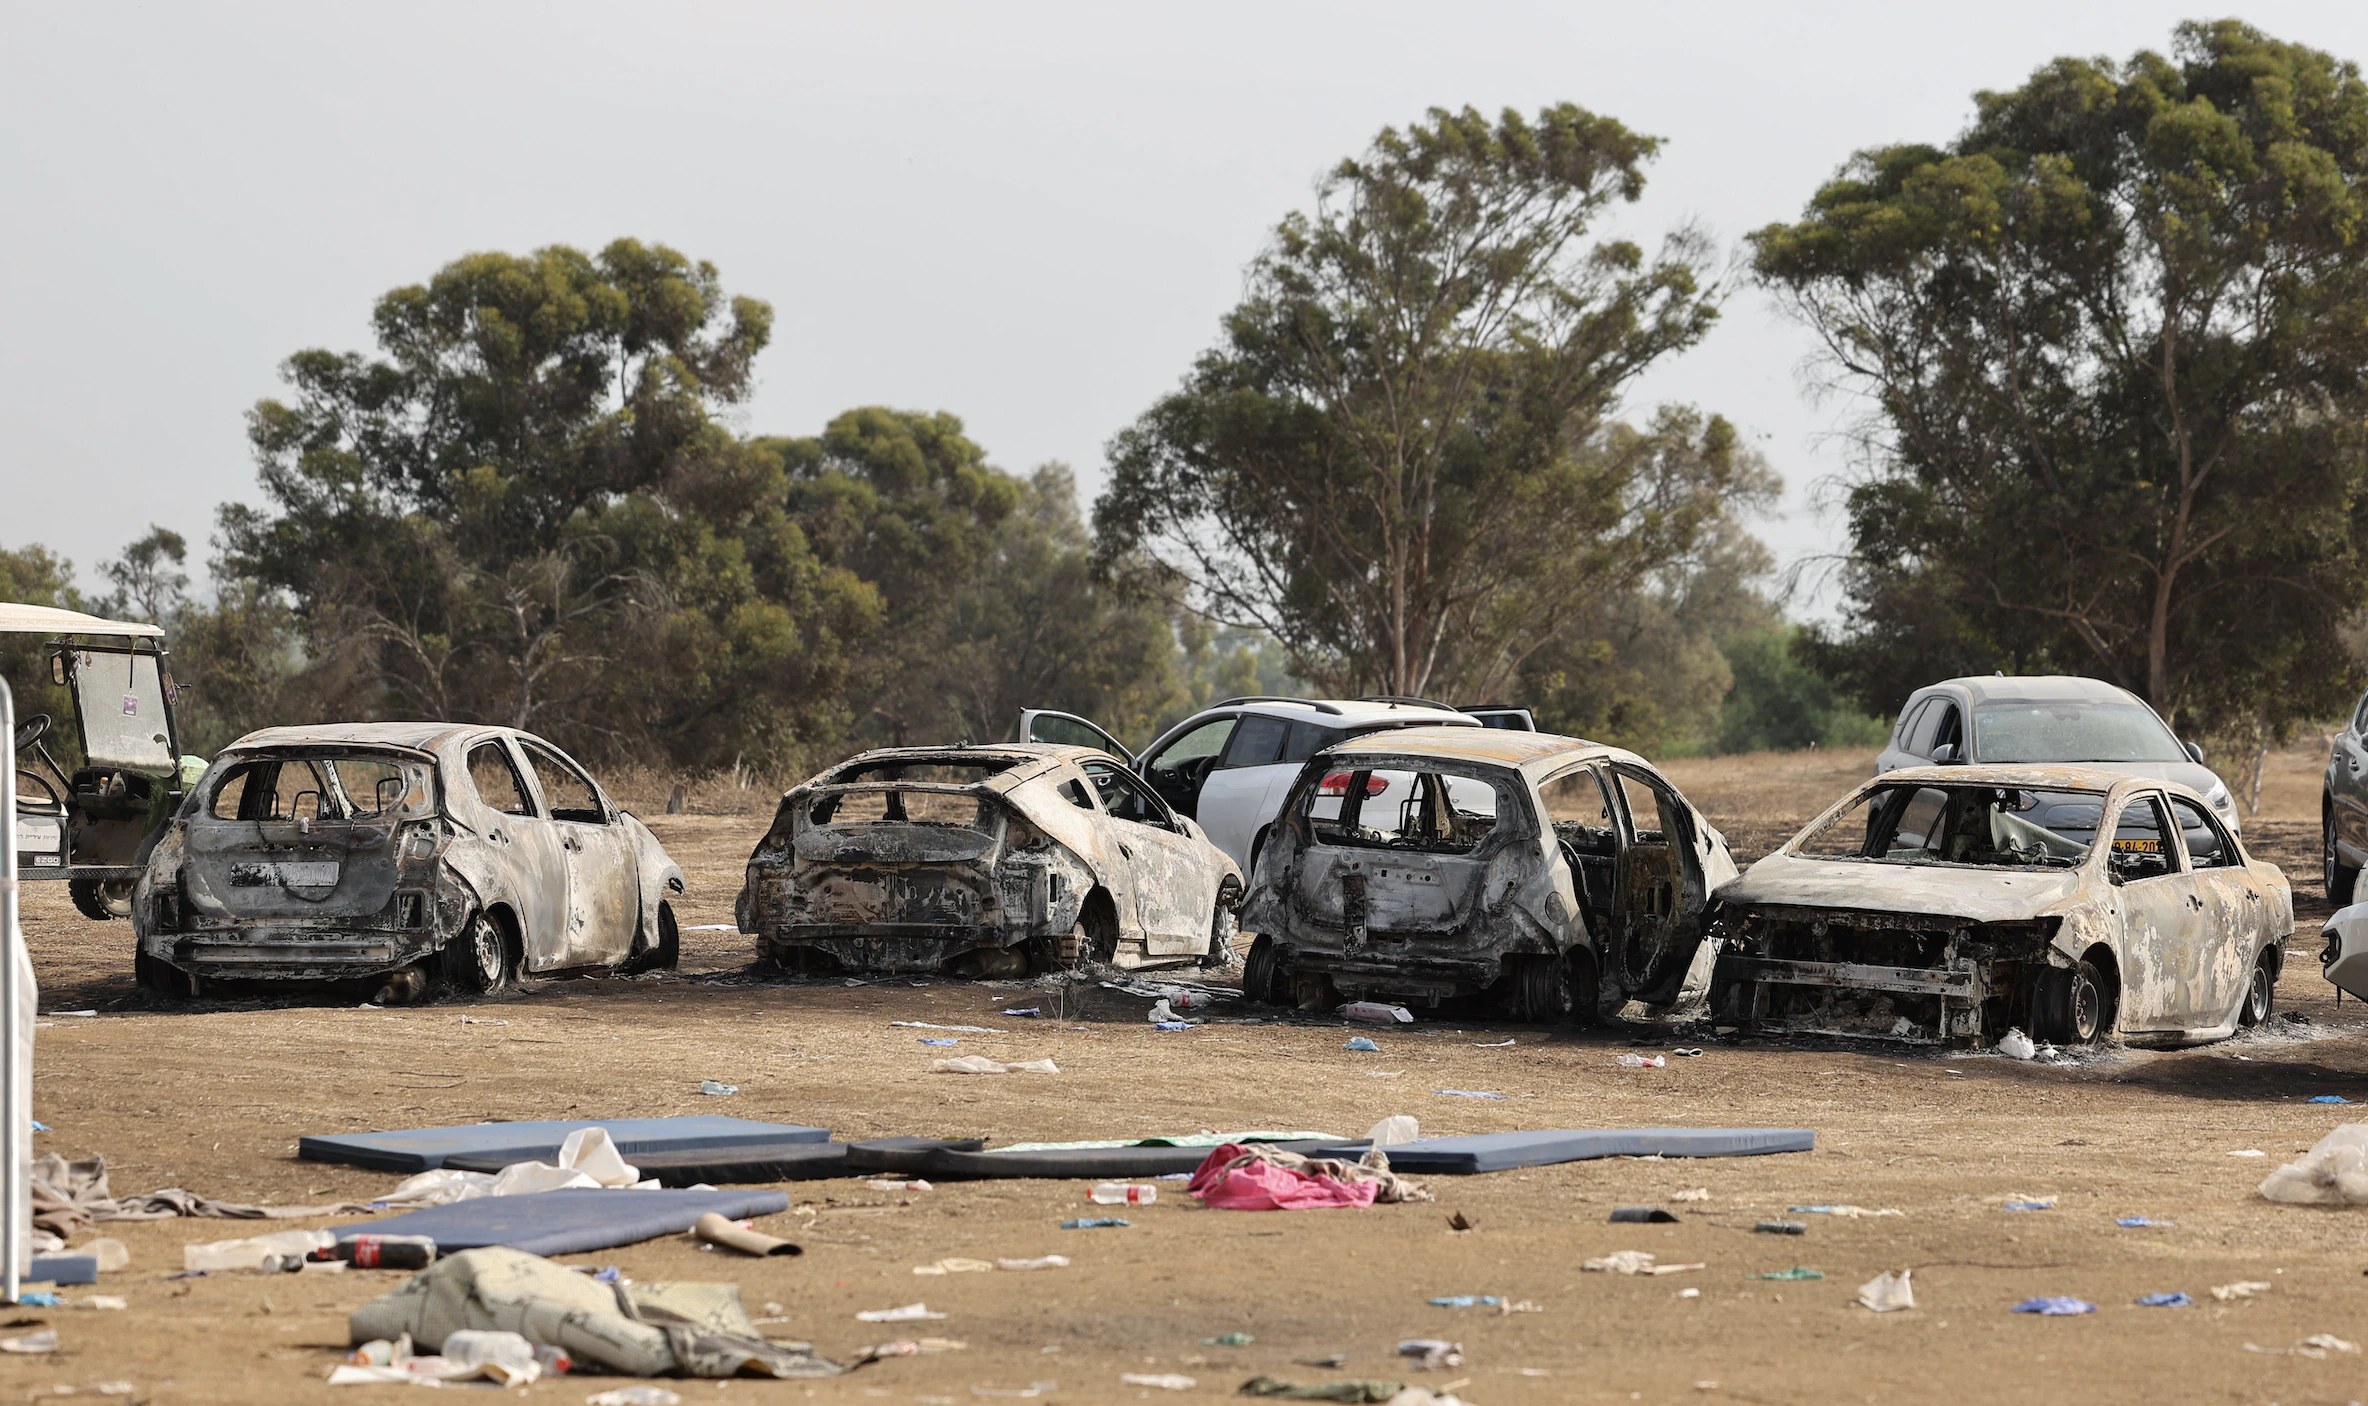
(413, 855)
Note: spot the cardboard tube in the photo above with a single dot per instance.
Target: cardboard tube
(716, 1230)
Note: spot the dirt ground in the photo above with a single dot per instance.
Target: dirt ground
(214, 1096)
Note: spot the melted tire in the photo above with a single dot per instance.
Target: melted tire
(2261, 994)
(479, 962)
(1261, 973)
(2070, 1007)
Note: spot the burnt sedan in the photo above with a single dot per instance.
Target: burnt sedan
(1546, 875)
(413, 854)
(985, 861)
(1950, 904)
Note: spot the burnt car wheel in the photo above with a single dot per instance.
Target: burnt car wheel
(1541, 993)
(2070, 1007)
(2336, 878)
(479, 961)
(666, 955)
(2261, 992)
(1222, 928)
(157, 975)
(1586, 987)
(101, 899)
(1261, 973)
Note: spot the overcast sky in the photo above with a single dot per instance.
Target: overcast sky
(1031, 215)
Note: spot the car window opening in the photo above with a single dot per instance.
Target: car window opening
(1405, 810)
(1983, 826)
(2028, 732)
(898, 805)
(332, 787)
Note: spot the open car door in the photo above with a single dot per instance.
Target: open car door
(1069, 730)
(1659, 885)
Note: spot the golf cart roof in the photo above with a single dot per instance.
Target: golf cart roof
(20, 619)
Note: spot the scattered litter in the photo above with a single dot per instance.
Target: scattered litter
(480, 1020)
(111, 1253)
(1635, 1262)
(1123, 1193)
(710, 1086)
(1637, 1061)
(958, 1029)
(2242, 1289)
(55, 1014)
(1032, 1012)
(945, 1042)
(1466, 1093)
(1045, 1262)
(1259, 1177)
(1164, 1381)
(1887, 1292)
(1689, 1293)
(2328, 1098)
(40, 1298)
(2014, 1044)
(878, 1184)
(1458, 1223)
(271, 1253)
(2036, 1203)
(1695, 1193)
(1648, 1215)
(1779, 1227)
(713, 927)
(1467, 1301)
(1842, 1212)
(2175, 1300)
(1094, 1222)
(1432, 1354)
(2248, 1152)
(1230, 1340)
(1350, 1389)
(1393, 1130)
(2054, 1306)
(980, 1064)
(1499, 1045)
(1174, 1025)
(909, 1313)
(2333, 1173)
(1361, 1045)
(951, 1266)
(1330, 1360)
(2328, 1342)
(1375, 1013)
(1688, 1052)
(1796, 1272)
(44, 1341)
(2144, 1222)
(1164, 1017)
(634, 1396)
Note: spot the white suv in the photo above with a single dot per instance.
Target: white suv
(1229, 765)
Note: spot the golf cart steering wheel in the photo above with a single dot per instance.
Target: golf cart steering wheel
(32, 730)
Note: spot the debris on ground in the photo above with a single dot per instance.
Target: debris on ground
(1842, 1212)
(739, 1235)
(1432, 1354)
(907, 1313)
(68, 1195)
(2144, 1223)
(954, 1266)
(1228, 1340)
(716, 1089)
(1361, 1045)
(1350, 1390)
(980, 1064)
(1391, 1131)
(1888, 1292)
(1635, 1262)
(587, 1158)
(1796, 1272)
(1637, 1061)
(2054, 1306)
(1648, 1215)
(1095, 1223)
(2333, 1173)
(634, 1396)
(1258, 1177)
(1695, 1193)
(1466, 1093)
(1778, 1227)
(1163, 1381)
(2171, 1300)
(1375, 1013)
(2014, 1044)
(2242, 1289)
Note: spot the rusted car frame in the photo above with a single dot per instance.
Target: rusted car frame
(984, 861)
(409, 854)
(1549, 875)
(1949, 904)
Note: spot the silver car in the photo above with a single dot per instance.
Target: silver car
(419, 854)
(2048, 720)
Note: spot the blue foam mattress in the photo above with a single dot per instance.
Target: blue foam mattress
(1500, 1152)
(568, 1222)
(424, 1149)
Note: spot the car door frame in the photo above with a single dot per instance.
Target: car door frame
(585, 846)
(529, 848)
(2233, 904)
(1114, 747)
(1174, 919)
(2347, 787)
(2150, 957)
(1688, 904)
(1251, 791)
(1899, 753)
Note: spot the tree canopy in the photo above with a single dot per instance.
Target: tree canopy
(2115, 339)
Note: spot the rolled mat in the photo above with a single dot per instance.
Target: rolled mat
(1502, 1152)
(571, 1221)
(732, 1235)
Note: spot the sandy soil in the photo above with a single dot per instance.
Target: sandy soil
(213, 1097)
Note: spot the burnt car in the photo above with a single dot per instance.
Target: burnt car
(413, 854)
(985, 861)
(1547, 875)
(1952, 904)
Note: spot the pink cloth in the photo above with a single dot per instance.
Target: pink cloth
(1256, 1185)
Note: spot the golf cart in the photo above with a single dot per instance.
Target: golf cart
(93, 827)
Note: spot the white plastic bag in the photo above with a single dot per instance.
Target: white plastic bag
(1886, 1292)
(505, 1357)
(2333, 1173)
(1394, 1130)
(254, 1252)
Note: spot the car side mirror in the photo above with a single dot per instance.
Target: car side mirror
(1946, 755)
(2194, 753)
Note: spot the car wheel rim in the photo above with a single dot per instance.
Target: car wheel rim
(487, 948)
(2084, 1011)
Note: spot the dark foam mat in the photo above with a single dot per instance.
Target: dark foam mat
(568, 1222)
(423, 1149)
(1502, 1152)
(758, 1162)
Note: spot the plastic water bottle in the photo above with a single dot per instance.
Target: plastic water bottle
(1121, 1193)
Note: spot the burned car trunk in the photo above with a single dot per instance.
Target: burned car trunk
(1949, 905)
(982, 862)
(1540, 875)
(403, 857)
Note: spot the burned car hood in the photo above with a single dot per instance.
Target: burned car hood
(1986, 894)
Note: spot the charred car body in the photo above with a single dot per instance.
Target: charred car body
(984, 861)
(1950, 904)
(408, 852)
(1551, 875)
